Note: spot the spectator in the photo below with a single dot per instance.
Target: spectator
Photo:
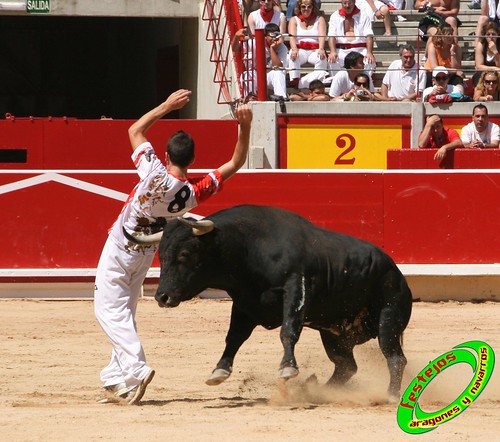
(377, 9)
(481, 133)
(307, 40)
(487, 88)
(490, 12)
(446, 10)
(443, 51)
(276, 55)
(264, 15)
(342, 87)
(436, 136)
(290, 8)
(350, 30)
(404, 79)
(440, 90)
(316, 92)
(487, 51)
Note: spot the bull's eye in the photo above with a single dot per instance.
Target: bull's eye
(183, 256)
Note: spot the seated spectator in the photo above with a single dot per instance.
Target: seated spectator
(440, 90)
(445, 10)
(350, 30)
(436, 136)
(490, 12)
(307, 39)
(443, 51)
(342, 87)
(481, 133)
(290, 8)
(487, 51)
(316, 92)
(487, 88)
(404, 79)
(276, 56)
(266, 14)
(377, 9)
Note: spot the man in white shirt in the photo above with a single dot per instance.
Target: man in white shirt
(404, 80)
(481, 133)
(350, 29)
(343, 82)
(440, 86)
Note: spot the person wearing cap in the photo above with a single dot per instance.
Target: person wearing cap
(440, 86)
(480, 133)
(436, 136)
(276, 57)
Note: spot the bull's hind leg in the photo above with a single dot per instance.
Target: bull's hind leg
(339, 351)
(240, 329)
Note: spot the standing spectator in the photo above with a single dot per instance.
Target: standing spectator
(342, 87)
(443, 51)
(448, 10)
(404, 79)
(264, 15)
(276, 56)
(487, 51)
(307, 40)
(481, 133)
(440, 90)
(316, 92)
(436, 136)
(290, 8)
(163, 193)
(350, 30)
(488, 87)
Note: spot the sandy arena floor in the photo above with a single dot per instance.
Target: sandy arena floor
(52, 351)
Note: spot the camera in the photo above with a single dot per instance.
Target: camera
(360, 91)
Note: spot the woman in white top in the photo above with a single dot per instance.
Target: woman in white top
(307, 39)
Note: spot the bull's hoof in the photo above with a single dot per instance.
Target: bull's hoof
(288, 372)
(218, 376)
(393, 399)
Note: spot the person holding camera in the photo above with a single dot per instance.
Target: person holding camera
(343, 87)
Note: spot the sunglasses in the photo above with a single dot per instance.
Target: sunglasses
(306, 7)
(441, 78)
(491, 81)
(358, 83)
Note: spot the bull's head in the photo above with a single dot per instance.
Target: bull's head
(180, 259)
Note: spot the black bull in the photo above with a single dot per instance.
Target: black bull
(281, 270)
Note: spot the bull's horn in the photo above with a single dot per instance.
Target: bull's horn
(199, 227)
(155, 238)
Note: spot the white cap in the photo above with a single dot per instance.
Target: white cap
(439, 69)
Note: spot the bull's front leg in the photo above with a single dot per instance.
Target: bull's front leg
(294, 300)
(240, 329)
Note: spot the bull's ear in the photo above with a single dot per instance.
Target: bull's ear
(199, 227)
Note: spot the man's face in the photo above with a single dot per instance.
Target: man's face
(408, 59)
(266, 4)
(480, 119)
(437, 128)
(441, 79)
(348, 5)
(273, 37)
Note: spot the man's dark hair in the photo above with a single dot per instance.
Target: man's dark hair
(270, 28)
(351, 59)
(316, 84)
(479, 106)
(180, 149)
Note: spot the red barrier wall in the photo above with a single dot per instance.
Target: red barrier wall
(456, 159)
(58, 221)
(68, 143)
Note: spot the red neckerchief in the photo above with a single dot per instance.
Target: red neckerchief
(266, 15)
(305, 20)
(343, 13)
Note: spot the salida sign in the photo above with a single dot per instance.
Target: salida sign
(38, 6)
